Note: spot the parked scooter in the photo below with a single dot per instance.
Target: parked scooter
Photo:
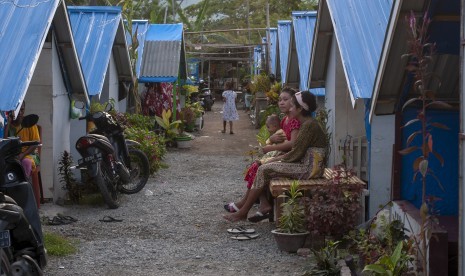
(207, 99)
(205, 96)
(21, 239)
(112, 161)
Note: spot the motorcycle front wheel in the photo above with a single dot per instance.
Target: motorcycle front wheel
(106, 187)
(5, 268)
(139, 172)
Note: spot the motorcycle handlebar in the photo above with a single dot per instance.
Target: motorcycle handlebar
(30, 143)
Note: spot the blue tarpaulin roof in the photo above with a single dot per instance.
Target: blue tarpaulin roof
(360, 27)
(164, 32)
(25, 25)
(304, 27)
(273, 49)
(164, 56)
(284, 38)
(141, 26)
(94, 31)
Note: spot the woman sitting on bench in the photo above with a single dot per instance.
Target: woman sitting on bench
(304, 161)
(280, 142)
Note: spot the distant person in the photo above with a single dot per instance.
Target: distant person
(229, 107)
(3, 121)
(28, 156)
(247, 96)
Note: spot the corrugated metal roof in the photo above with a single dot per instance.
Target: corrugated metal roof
(322, 40)
(284, 38)
(164, 56)
(24, 26)
(360, 28)
(393, 85)
(94, 31)
(141, 27)
(273, 49)
(304, 27)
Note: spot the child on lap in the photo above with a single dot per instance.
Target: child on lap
(273, 126)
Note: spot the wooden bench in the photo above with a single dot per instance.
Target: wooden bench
(278, 186)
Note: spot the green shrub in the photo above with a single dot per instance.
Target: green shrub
(152, 145)
(140, 128)
(140, 121)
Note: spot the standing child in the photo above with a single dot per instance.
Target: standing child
(229, 107)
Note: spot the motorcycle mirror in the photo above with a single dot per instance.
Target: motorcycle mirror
(29, 120)
(79, 104)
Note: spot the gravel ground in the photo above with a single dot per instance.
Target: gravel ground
(174, 226)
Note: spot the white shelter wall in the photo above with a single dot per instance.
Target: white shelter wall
(382, 141)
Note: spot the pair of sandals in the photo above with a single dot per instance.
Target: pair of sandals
(257, 217)
(241, 233)
(61, 220)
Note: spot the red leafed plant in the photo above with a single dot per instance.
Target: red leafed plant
(333, 209)
(420, 56)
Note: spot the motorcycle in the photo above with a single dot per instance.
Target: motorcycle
(205, 96)
(113, 162)
(21, 239)
(206, 99)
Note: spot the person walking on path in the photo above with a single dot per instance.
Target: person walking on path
(229, 107)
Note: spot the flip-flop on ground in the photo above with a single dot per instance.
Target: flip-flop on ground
(244, 237)
(110, 219)
(241, 230)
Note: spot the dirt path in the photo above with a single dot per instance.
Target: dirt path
(212, 141)
(175, 226)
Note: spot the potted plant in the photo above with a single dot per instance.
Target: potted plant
(188, 118)
(171, 128)
(291, 232)
(333, 209)
(198, 111)
(260, 85)
(184, 140)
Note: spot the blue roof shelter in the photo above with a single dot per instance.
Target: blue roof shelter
(164, 57)
(24, 33)
(359, 27)
(99, 36)
(394, 86)
(303, 26)
(284, 42)
(344, 60)
(274, 51)
(40, 65)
